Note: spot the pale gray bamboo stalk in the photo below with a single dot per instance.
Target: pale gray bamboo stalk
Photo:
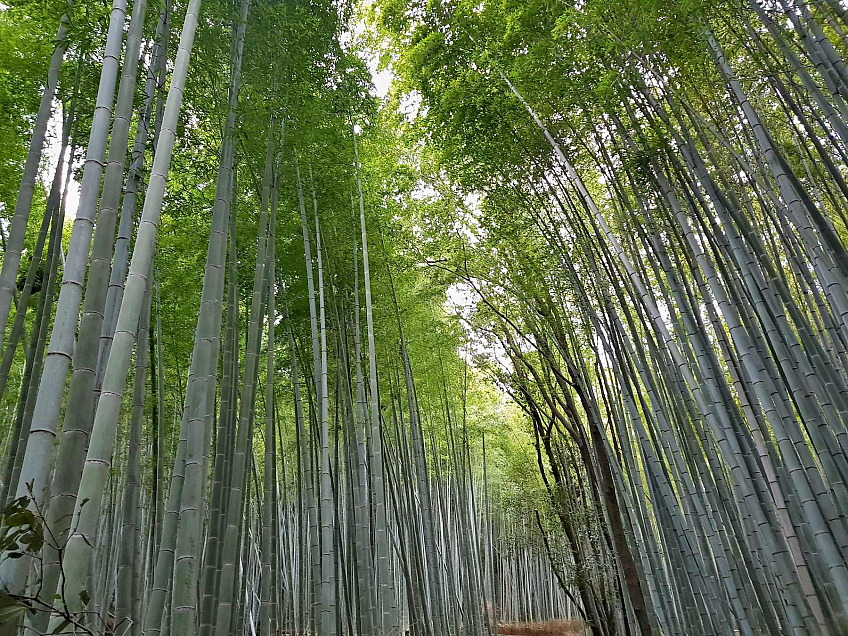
(34, 267)
(84, 377)
(157, 606)
(223, 446)
(17, 445)
(51, 546)
(365, 566)
(386, 601)
(77, 423)
(200, 396)
(23, 203)
(228, 590)
(155, 77)
(128, 564)
(36, 461)
(309, 438)
(269, 534)
(159, 474)
(223, 203)
(328, 600)
(103, 432)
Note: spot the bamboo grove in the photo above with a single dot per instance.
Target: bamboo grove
(283, 469)
(558, 329)
(649, 207)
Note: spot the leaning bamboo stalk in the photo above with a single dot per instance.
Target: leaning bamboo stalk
(269, 534)
(308, 438)
(53, 215)
(77, 423)
(157, 612)
(106, 418)
(223, 446)
(159, 428)
(83, 378)
(128, 564)
(364, 566)
(223, 204)
(14, 244)
(200, 397)
(155, 79)
(36, 462)
(240, 471)
(35, 263)
(386, 595)
(328, 602)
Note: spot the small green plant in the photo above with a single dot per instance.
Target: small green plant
(22, 533)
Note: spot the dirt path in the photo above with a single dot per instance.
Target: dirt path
(548, 628)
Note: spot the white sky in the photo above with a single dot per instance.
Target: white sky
(51, 157)
(382, 79)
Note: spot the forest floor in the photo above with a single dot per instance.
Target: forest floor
(548, 628)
